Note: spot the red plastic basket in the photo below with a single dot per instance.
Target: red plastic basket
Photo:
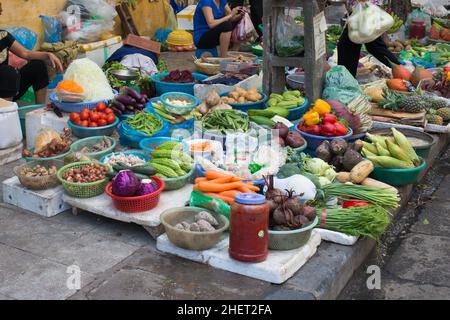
(136, 204)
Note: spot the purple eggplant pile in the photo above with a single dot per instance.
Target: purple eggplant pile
(128, 101)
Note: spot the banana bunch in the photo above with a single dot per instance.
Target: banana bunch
(398, 22)
(391, 152)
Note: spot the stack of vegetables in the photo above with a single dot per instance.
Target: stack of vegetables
(127, 184)
(212, 102)
(242, 96)
(391, 152)
(101, 116)
(279, 105)
(70, 91)
(319, 121)
(288, 138)
(223, 187)
(170, 161)
(177, 76)
(146, 123)
(122, 161)
(223, 120)
(128, 101)
(340, 154)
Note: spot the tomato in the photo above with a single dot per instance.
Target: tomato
(93, 124)
(77, 122)
(102, 122)
(110, 118)
(354, 203)
(84, 123)
(94, 117)
(102, 115)
(84, 115)
(74, 117)
(101, 106)
(109, 111)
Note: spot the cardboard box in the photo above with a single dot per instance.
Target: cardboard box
(142, 43)
(185, 18)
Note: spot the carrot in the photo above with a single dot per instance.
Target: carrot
(252, 187)
(245, 189)
(229, 193)
(195, 186)
(216, 187)
(221, 180)
(218, 196)
(236, 179)
(200, 180)
(211, 175)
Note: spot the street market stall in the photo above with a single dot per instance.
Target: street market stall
(224, 170)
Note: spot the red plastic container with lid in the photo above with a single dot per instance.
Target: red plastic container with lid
(249, 228)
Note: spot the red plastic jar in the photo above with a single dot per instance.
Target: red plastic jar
(417, 29)
(249, 228)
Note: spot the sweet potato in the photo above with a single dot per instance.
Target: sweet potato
(351, 158)
(361, 171)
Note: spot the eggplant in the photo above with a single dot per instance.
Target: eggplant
(140, 106)
(118, 105)
(132, 93)
(131, 108)
(116, 111)
(125, 99)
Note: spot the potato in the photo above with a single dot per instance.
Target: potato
(240, 91)
(343, 177)
(235, 95)
(361, 171)
(241, 100)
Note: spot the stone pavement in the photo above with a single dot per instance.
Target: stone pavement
(418, 265)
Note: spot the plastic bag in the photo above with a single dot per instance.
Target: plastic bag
(24, 36)
(215, 205)
(368, 22)
(244, 31)
(417, 14)
(435, 8)
(289, 40)
(340, 85)
(87, 20)
(52, 29)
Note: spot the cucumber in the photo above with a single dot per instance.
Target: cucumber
(145, 170)
(263, 121)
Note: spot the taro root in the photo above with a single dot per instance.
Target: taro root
(205, 225)
(323, 151)
(194, 227)
(338, 146)
(351, 159)
(204, 215)
(310, 213)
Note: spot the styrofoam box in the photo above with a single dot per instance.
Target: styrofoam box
(38, 119)
(185, 18)
(47, 203)
(100, 55)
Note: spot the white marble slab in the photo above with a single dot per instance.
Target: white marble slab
(102, 205)
(47, 203)
(11, 154)
(279, 266)
(337, 237)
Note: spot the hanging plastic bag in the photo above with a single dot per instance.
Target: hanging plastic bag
(418, 14)
(368, 22)
(435, 8)
(52, 29)
(24, 36)
(87, 20)
(289, 38)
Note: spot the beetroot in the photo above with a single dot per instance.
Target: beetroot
(341, 112)
(184, 76)
(283, 130)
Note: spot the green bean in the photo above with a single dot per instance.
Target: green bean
(145, 122)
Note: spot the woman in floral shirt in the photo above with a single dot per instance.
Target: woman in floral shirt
(349, 52)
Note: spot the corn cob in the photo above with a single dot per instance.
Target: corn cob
(390, 163)
(367, 153)
(405, 145)
(397, 152)
(374, 138)
(382, 151)
(370, 147)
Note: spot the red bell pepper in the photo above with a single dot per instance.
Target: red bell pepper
(340, 129)
(327, 130)
(315, 130)
(329, 118)
(354, 203)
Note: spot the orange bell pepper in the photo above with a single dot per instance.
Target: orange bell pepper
(321, 107)
(311, 118)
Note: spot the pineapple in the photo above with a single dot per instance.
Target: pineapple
(437, 104)
(391, 100)
(413, 104)
(435, 119)
(444, 113)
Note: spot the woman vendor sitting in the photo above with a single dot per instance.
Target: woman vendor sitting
(213, 23)
(15, 82)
